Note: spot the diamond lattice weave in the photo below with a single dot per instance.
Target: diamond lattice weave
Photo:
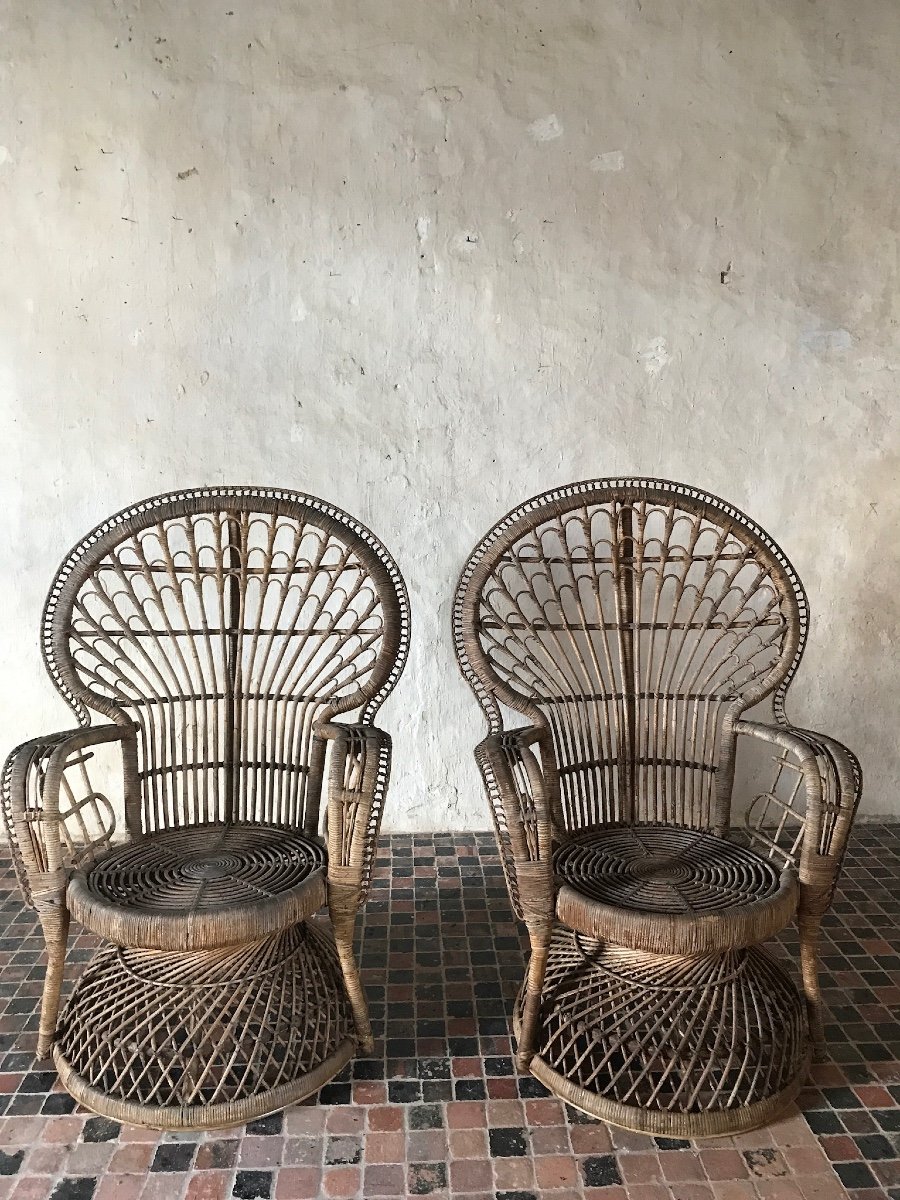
(194, 1031)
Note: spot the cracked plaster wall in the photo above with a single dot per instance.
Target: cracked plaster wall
(429, 259)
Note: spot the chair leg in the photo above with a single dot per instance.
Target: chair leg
(809, 965)
(54, 918)
(534, 985)
(343, 926)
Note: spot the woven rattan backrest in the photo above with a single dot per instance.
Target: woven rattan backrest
(632, 618)
(224, 622)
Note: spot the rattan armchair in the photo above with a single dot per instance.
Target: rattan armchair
(219, 634)
(631, 623)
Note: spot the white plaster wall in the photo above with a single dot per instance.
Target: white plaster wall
(427, 259)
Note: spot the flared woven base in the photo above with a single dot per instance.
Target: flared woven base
(205, 1040)
(684, 1047)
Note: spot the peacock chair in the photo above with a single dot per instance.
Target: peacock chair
(631, 623)
(218, 634)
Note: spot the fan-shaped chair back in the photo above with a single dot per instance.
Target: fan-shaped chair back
(633, 620)
(224, 623)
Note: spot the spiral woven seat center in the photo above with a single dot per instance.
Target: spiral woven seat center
(661, 869)
(654, 868)
(210, 885)
(210, 867)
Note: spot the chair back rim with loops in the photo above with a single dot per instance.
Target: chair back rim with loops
(490, 688)
(78, 565)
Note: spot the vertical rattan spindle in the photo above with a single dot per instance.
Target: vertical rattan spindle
(626, 583)
(233, 617)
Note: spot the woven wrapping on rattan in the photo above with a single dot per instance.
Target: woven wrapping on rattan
(360, 770)
(806, 814)
(78, 818)
(194, 1040)
(688, 1047)
(201, 887)
(670, 890)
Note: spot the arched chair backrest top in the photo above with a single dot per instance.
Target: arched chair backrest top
(224, 622)
(629, 616)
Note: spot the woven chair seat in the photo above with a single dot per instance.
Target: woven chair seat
(201, 887)
(670, 890)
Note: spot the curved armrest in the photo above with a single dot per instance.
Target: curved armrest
(524, 796)
(53, 815)
(806, 816)
(360, 767)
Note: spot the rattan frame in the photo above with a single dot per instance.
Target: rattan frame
(531, 775)
(60, 825)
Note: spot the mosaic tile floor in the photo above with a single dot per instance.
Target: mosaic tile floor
(438, 1111)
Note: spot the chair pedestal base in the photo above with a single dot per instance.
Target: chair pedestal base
(210, 1039)
(679, 1047)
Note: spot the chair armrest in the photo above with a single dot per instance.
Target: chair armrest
(359, 771)
(806, 816)
(54, 817)
(524, 797)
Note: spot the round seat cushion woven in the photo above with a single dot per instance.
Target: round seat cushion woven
(201, 887)
(670, 890)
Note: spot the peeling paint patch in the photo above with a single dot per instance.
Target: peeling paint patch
(877, 362)
(4, 156)
(298, 310)
(422, 225)
(655, 356)
(464, 244)
(448, 93)
(610, 160)
(545, 129)
(136, 337)
(820, 341)
(348, 370)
